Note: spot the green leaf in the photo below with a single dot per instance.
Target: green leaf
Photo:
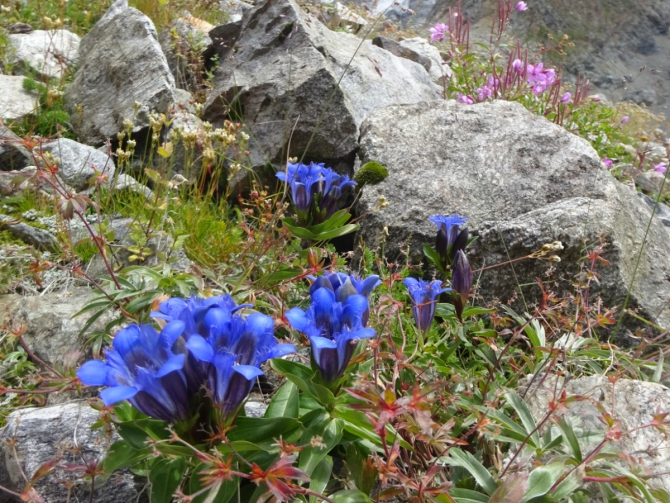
(138, 432)
(474, 467)
(302, 377)
(320, 477)
(297, 230)
(512, 489)
(570, 438)
(468, 496)
(524, 415)
(262, 430)
(476, 311)
(570, 484)
(336, 233)
(658, 373)
(542, 478)
(122, 454)
(165, 476)
(338, 219)
(285, 402)
(350, 496)
(330, 431)
(432, 255)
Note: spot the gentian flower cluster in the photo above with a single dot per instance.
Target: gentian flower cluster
(424, 296)
(450, 244)
(335, 321)
(205, 344)
(315, 191)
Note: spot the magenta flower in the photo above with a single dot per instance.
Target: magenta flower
(566, 98)
(540, 78)
(521, 6)
(624, 119)
(517, 64)
(607, 161)
(463, 98)
(438, 32)
(661, 168)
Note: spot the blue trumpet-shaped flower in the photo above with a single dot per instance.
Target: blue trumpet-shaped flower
(334, 329)
(142, 369)
(424, 296)
(230, 350)
(344, 285)
(192, 313)
(315, 190)
(450, 238)
(461, 281)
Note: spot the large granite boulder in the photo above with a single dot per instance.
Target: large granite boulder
(295, 83)
(51, 52)
(51, 332)
(78, 163)
(62, 433)
(633, 403)
(523, 182)
(121, 64)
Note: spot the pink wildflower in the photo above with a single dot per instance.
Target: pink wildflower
(607, 161)
(566, 98)
(517, 64)
(463, 98)
(521, 6)
(624, 119)
(438, 32)
(661, 168)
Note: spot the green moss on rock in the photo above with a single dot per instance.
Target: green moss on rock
(371, 172)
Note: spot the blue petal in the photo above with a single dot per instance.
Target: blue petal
(297, 318)
(200, 348)
(322, 343)
(125, 340)
(322, 303)
(116, 394)
(280, 350)
(173, 330)
(369, 284)
(250, 372)
(354, 308)
(176, 362)
(93, 373)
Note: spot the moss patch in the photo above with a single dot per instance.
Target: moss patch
(371, 172)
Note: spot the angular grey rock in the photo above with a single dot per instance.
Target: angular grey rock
(523, 182)
(78, 163)
(13, 155)
(185, 43)
(641, 96)
(126, 182)
(661, 211)
(51, 331)
(34, 236)
(49, 52)
(634, 403)
(651, 181)
(121, 62)
(418, 50)
(42, 434)
(15, 102)
(283, 79)
(235, 9)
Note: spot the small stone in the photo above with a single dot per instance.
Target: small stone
(51, 53)
(15, 102)
(38, 238)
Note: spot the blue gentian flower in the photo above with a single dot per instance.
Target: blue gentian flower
(315, 190)
(424, 296)
(230, 351)
(142, 369)
(333, 329)
(461, 281)
(450, 238)
(344, 285)
(192, 313)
